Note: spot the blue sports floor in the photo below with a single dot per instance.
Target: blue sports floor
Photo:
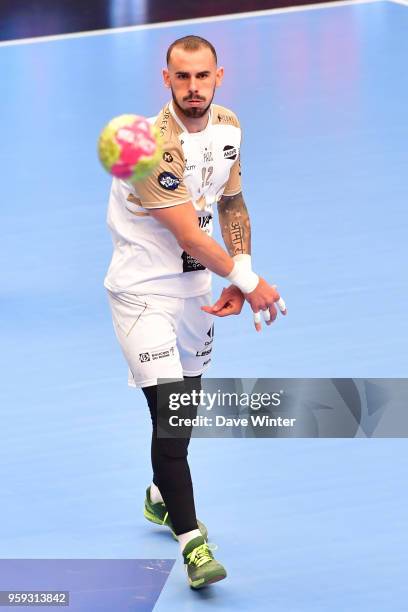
(301, 525)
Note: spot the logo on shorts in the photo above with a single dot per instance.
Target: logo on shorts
(204, 353)
(161, 354)
(210, 334)
(230, 152)
(167, 157)
(144, 357)
(167, 180)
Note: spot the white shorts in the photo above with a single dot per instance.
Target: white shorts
(162, 337)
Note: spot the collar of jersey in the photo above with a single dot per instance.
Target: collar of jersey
(181, 124)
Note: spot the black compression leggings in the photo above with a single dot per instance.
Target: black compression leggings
(171, 472)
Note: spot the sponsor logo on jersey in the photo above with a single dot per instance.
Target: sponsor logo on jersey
(204, 221)
(191, 167)
(207, 156)
(167, 180)
(206, 362)
(164, 121)
(230, 152)
(144, 357)
(225, 118)
(167, 157)
(190, 264)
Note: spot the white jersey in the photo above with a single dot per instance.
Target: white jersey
(199, 167)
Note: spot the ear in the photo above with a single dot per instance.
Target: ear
(219, 75)
(166, 78)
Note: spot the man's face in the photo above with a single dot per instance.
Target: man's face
(192, 77)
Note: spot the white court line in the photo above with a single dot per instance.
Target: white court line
(403, 2)
(181, 22)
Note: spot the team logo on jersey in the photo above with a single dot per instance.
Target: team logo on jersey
(144, 357)
(230, 152)
(167, 157)
(167, 180)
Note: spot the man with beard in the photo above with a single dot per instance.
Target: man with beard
(160, 275)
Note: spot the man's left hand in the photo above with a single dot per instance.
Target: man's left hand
(230, 302)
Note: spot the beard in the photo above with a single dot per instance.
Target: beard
(193, 112)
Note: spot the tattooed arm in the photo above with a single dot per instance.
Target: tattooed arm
(235, 225)
(236, 232)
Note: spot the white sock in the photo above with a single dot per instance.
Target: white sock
(184, 538)
(155, 494)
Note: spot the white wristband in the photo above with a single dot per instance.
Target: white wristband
(242, 275)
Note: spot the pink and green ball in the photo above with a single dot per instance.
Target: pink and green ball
(129, 147)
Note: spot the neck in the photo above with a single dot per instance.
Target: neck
(193, 124)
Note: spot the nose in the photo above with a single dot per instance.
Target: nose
(193, 85)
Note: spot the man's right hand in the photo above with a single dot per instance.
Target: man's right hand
(263, 298)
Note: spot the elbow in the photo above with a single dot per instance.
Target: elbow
(186, 245)
(188, 241)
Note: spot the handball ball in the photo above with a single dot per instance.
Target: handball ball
(129, 147)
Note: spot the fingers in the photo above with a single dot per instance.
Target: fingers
(227, 308)
(270, 314)
(257, 321)
(280, 302)
(220, 311)
(217, 306)
(282, 306)
(209, 309)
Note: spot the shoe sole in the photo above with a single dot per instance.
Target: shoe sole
(207, 582)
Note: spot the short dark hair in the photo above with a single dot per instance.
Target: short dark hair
(191, 43)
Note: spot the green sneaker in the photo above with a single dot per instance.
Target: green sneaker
(202, 568)
(157, 513)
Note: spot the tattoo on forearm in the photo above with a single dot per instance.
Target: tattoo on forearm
(235, 224)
